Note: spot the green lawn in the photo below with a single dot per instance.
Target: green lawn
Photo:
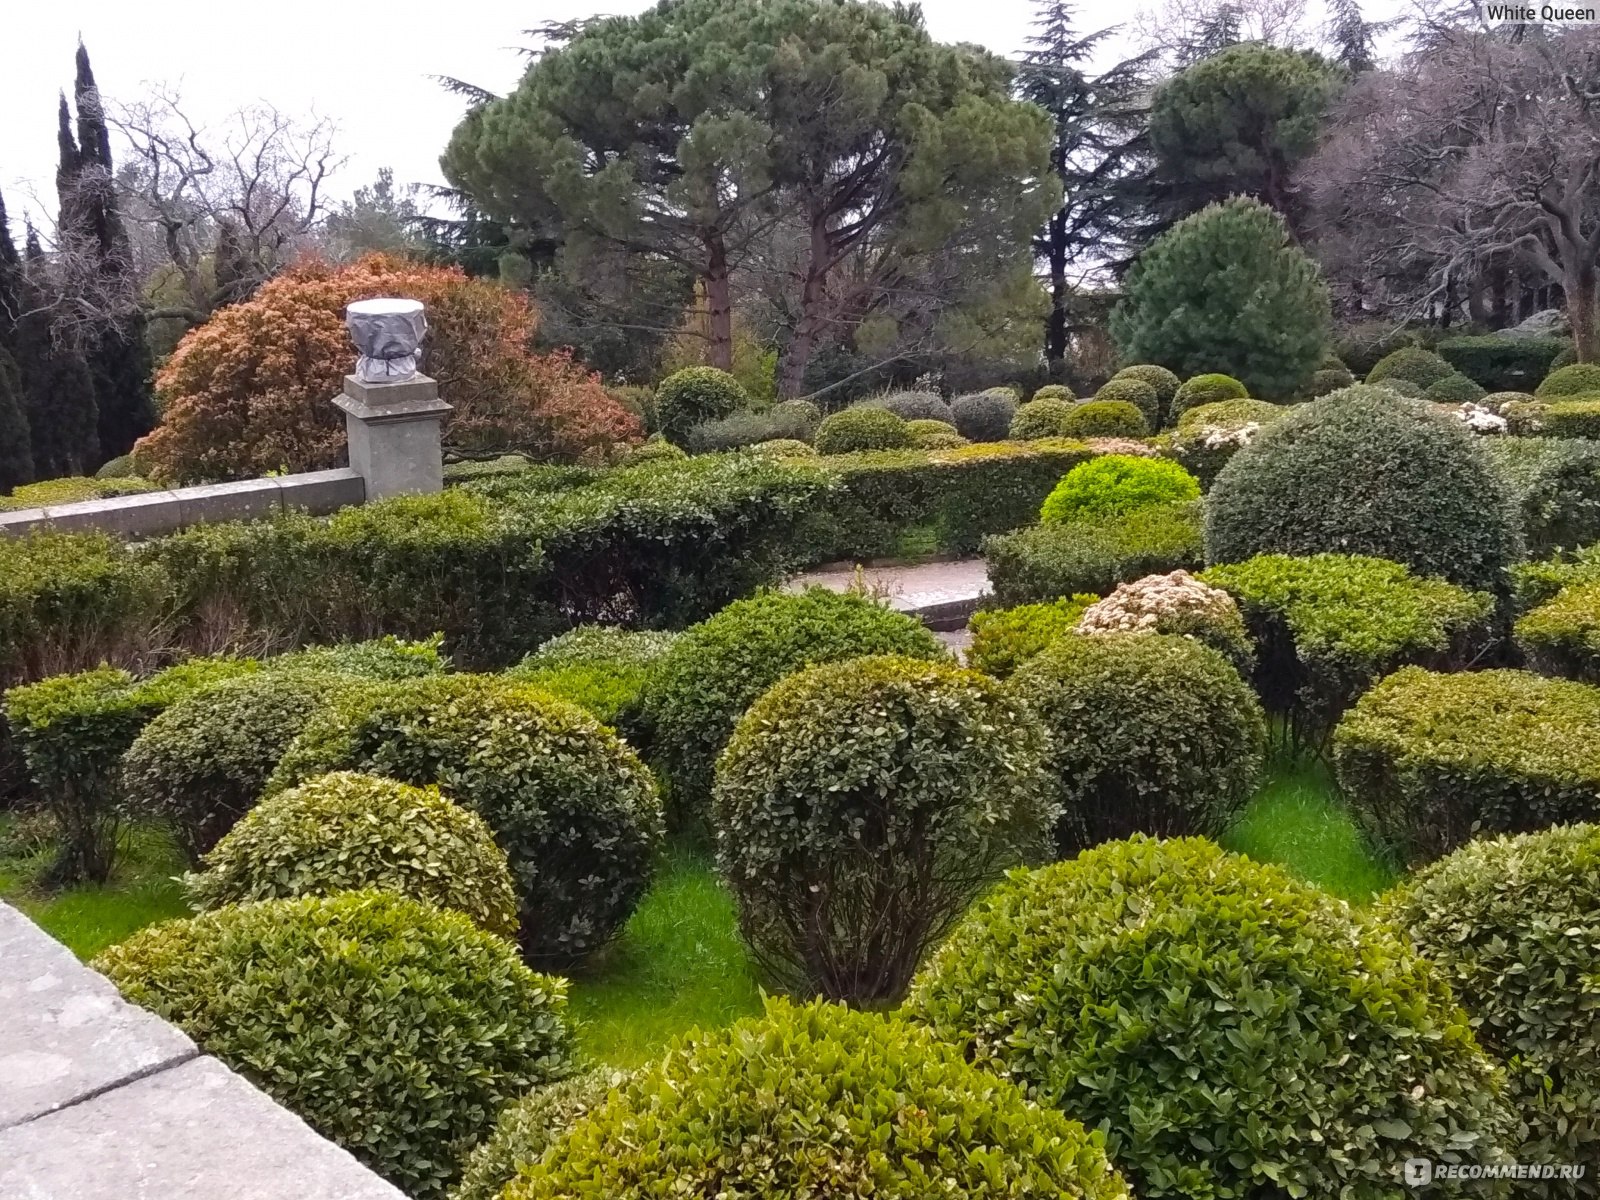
(679, 963)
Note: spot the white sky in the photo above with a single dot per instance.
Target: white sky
(367, 66)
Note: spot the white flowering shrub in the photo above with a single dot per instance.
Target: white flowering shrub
(1176, 603)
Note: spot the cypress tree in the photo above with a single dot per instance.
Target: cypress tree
(16, 443)
(57, 388)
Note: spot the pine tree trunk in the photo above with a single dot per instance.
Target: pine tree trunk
(813, 301)
(719, 305)
(1580, 288)
(1055, 333)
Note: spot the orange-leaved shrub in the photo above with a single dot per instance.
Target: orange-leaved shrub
(251, 390)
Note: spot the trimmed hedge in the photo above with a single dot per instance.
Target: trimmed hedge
(1214, 388)
(1116, 485)
(1148, 733)
(695, 395)
(1414, 365)
(1428, 761)
(73, 489)
(526, 1128)
(1359, 472)
(818, 1101)
(1578, 417)
(572, 806)
(984, 416)
(1105, 418)
(1327, 627)
(1500, 363)
(395, 1029)
(344, 832)
(861, 805)
(1574, 380)
(1040, 419)
(1554, 485)
(933, 435)
(1005, 638)
(1235, 1033)
(715, 670)
(861, 428)
(1562, 636)
(1514, 923)
(1047, 562)
(1537, 582)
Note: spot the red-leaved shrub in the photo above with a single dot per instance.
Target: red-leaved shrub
(251, 390)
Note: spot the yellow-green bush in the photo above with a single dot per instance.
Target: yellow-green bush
(1116, 485)
(1005, 638)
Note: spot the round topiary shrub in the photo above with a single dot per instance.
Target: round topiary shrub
(1005, 638)
(1205, 389)
(1235, 1032)
(1413, 364)
(861, 805)
(1149, 733)
(1135, 391)
(527, 1128)
(1453, 389)
(695, 395)
(1401, 387)
(395, 1029)
(1514, 924)
(1114, 485)
(1328, 379)
(1575, 380)
(203, 762)
(1164, 383)
(1209, 435)
(914, 406)
(861, 428)
(1053, 391)
(1175, 603)
(1105, 418)
(601, 668)
(818, 1101)
(1362, 472)
(344, 832)
(655, 448)
(801, 410)
(717, 668)
(1496, 401)
(574, 809)
(1040, 419)
(934, 435)
(983, 417)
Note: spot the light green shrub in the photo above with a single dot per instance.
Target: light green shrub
(1115, 485)
(1040, 419)
(1005, 638)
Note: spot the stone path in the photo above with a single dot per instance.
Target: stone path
(942, 594)
(101, 1100)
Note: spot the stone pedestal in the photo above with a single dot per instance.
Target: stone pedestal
(393, 430)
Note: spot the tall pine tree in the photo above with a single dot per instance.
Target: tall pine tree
(58, 389)
(117, 354)
(1099, 153)
(16, 444)
(1351, 38)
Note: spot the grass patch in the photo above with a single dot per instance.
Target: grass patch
(1299, 820)
(678, 964)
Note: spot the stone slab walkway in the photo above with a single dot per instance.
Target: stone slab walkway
(942, 594)
(101, 1100)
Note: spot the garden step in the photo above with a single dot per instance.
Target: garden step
(940, 594)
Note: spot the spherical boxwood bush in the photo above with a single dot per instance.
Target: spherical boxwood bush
(603, 669)
(914, 406)
(934, 435)
(1413, 364)
(717, 668)
(527, 1128)
(655, 448)
(1164, 383)
(1135, 391)
(1453, 389)
(1005, 638)
(1235, 1032)
(1148, 733)
(1401, 387)
(1175, 603)
(572, 806)
(861, 428)
(1363, 472)
(344, 832)
(861, 805)
(203, 762)
(1514, 924)
(695, 395)
(804, 410)
(1575, 380)
(1040, 419)
(1053, 391)
(1105, 418)
(983, 416)
(1213, 388)
(1115, 485)
(394, 1028)
(1209, 435)
(785, 448)
(819, 1101)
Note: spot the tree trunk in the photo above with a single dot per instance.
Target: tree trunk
(719, 304)
(1579, 286)
(1055, 331)
(813, 315)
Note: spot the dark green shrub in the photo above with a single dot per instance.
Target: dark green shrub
(819, 1101)
(1212, 388)
(1453, 389)
(1053, 391)
(1131, 389)
(1361, 346)
(1568, 356)
(861, 428)
(1040, 419)
(526, 1128)
(1005, 638)
(1327, 627)
(1209, 435)
(861, 805)
(1401, 387)
(914, 406)
(694, 396)
(1428, 761)
(716, 669)
(1412, 364)
(1116, 485)
(934, 435)
(574, 809)
(344, 832)
(1500, 363)
(1569, 381)
(1554, 484)
(394, 1028)
(1047, 562)
(1178, 604)
(1235, 1033)
(1360, 472)
(984, 417)
(603, 669)
(742, 429)
(120, 467)
(1577, 418)
(1562, 636)
(1266, 327)
(1105, 418)
(1514, 924)
(1148, 733)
